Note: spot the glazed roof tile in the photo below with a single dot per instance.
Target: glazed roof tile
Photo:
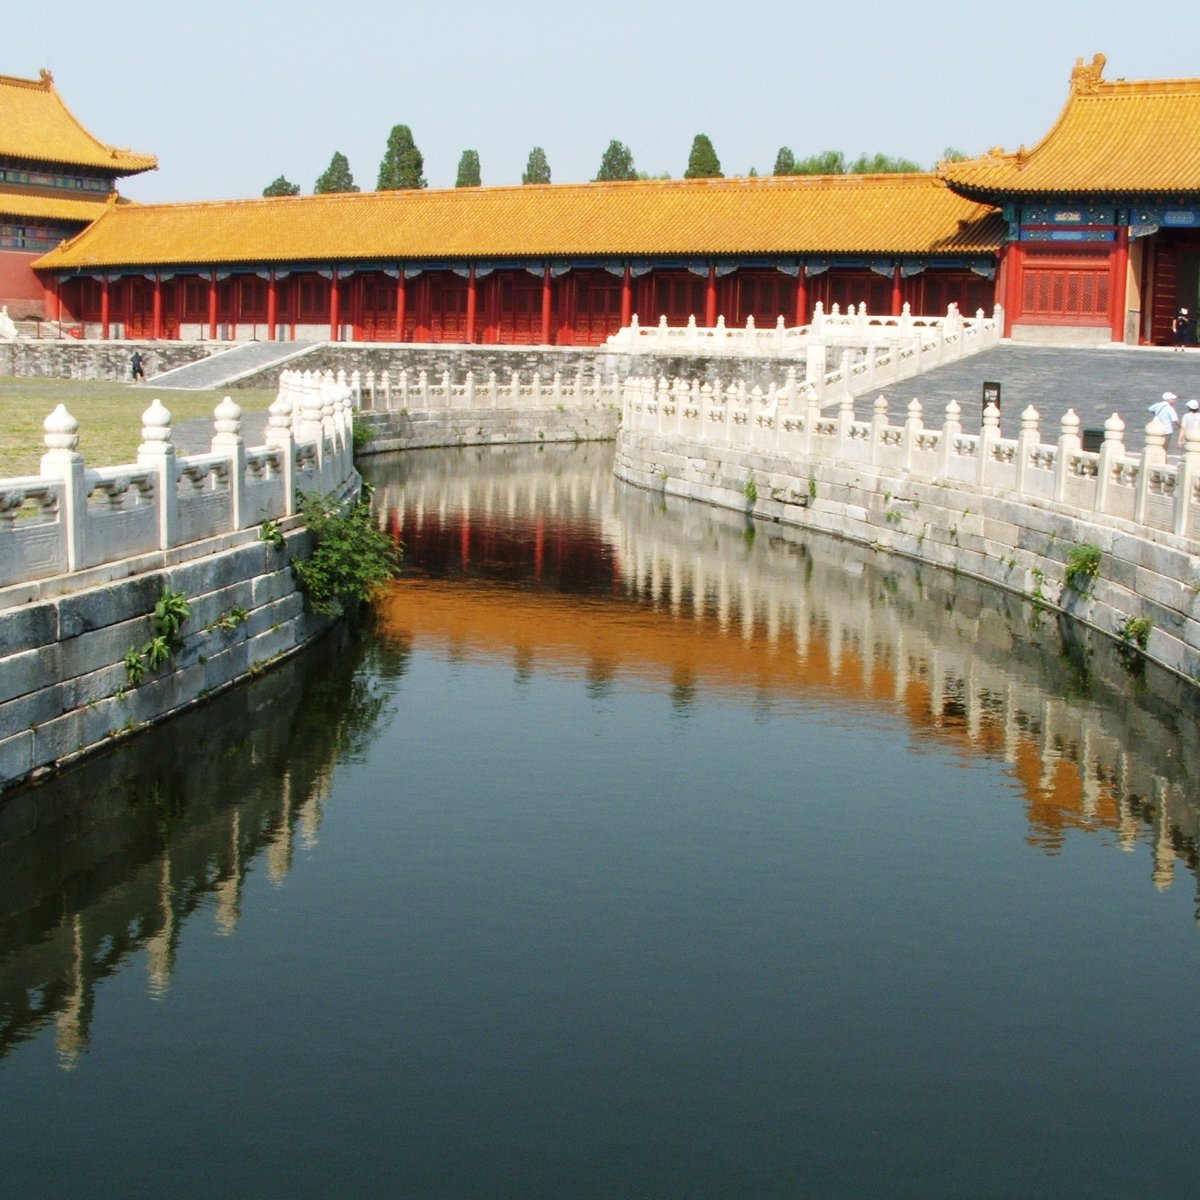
(36, 126)
(914, 214)
(39, 206)
(1124, 137)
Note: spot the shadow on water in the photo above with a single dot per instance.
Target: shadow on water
(111, 857)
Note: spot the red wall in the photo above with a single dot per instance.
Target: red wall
(20, 288)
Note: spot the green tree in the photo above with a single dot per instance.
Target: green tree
(281, 187)
(402, 162)
(468, 170)
(882, 164)
(703, 162)
(830, 162)
(617, 163)
(537, 169)
(337, 177)
(785, 162)
(952, 155)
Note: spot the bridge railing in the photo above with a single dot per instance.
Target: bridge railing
(788, 421)
(854, 328)
(418, 391)
(72, 517)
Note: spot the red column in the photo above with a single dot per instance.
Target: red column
(897, 291)
(424, 308)
(401, 305)
(104, 302)
(801, 297)
(627, 298)
(547, 304)
(212, 306)
(272, 306)
(156, 309)
(1012, 285)
(472, 305)
(1119, 283)
(710, 299)
(334, 303)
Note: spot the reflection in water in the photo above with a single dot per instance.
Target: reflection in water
(112, 857)
(678, 593)
(559, 569)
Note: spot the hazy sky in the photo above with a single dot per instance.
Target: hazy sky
(231, 94)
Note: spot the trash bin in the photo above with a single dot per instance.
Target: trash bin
(1092, 439)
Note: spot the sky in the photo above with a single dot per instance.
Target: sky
(230, 94)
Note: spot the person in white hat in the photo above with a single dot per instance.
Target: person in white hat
(1164, 412)
(1191, 420)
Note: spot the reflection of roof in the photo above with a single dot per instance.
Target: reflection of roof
(42, 207)
(872, 214)
(1125, 137)
(36, 126)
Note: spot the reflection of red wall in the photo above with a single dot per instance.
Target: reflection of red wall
(20, 288)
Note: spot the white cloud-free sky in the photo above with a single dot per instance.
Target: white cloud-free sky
(231, 93)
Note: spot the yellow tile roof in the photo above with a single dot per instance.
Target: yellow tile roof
(44, 207)
(1123, 137)
(36, 126)
(872, 214)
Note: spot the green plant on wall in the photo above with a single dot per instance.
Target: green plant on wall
(750, 490)
(351, 556)
(171, 610)
(1135, 631)
(1083, 565)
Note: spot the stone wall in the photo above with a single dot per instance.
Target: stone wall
(64, 689)
(71, 359)
(485, 427)
(1022, 547)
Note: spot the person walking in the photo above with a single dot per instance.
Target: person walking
(1164, 412)
(1181, 324)
(1191, 420)
(137, 368)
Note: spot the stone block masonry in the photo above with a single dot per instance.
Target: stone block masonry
(106, 361)
(1018, 543)
(65, 690)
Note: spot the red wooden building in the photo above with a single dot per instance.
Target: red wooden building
(55, 179)
(1091, 235)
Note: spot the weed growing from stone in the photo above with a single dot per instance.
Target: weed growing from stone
(351, 556)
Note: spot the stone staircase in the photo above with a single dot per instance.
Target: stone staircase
(228, 366)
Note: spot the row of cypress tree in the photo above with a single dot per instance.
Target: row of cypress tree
(403, 164)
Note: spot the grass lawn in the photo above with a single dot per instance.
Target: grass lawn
(109, 416)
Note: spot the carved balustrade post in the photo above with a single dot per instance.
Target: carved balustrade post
(227, 441)
(1028, 441)
(1154, 459)
(62, 461)
(879, 420)
(987, 435)
(157, 453)
(951, 432)
(914, 426)
(1068, 445)
(279, 434)
(1111, 449)
(1187, 479)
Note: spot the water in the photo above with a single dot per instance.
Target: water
(633, 852)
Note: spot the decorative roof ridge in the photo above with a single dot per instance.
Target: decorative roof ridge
(751, 182)
(44, 81)
(134, 159)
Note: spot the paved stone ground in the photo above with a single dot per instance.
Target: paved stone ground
(1094, 382)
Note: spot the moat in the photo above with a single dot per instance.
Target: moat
(633, 850)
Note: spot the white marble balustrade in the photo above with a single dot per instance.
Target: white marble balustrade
(71, 517)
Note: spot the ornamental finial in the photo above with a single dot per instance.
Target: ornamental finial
(1086, 77)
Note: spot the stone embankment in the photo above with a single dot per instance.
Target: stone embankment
(1109, 537)
(87, 554)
